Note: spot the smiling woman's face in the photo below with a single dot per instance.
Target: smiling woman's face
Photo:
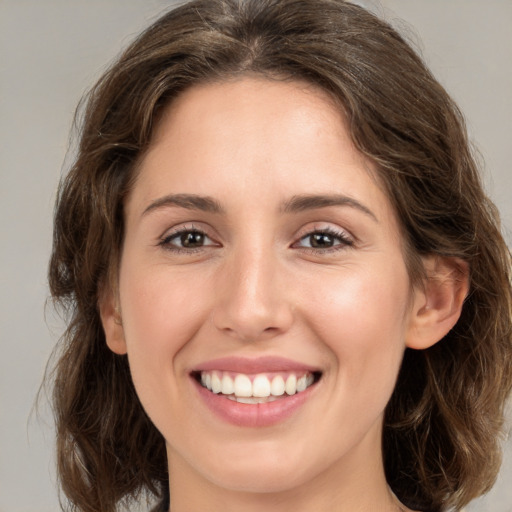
(260, 249)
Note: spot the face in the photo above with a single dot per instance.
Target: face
(260, 251)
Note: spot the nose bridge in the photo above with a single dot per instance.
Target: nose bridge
(252, 304)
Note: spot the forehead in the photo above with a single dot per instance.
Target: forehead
(268, 106)
(254, 132)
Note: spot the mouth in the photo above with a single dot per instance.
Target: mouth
(255, 392)
(260, 388)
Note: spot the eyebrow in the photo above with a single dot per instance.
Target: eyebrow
(302, 203)
(298, 203)
(188, 201)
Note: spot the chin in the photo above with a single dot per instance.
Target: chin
(260, 479)
(264, 467)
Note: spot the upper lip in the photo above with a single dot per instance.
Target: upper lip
(263, 364)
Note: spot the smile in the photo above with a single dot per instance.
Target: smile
(255, 389)
(255, 392)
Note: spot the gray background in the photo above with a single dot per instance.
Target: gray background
(50, 52)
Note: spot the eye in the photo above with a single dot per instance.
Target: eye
(324, 239)
(186, 240)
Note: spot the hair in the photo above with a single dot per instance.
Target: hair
(441, 436)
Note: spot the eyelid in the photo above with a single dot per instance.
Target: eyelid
(175, 231)
(325, 227)
(346, 238)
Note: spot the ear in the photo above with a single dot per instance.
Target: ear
(438, 304)
(112, 322)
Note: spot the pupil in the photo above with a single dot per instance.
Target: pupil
(319, 240)
(192, 239)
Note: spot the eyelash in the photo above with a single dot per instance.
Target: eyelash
(341, 237)
(166, 241)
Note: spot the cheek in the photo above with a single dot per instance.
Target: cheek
(161, 313)
(356, 303)
(362, 317)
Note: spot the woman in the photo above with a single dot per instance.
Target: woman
(286, 287)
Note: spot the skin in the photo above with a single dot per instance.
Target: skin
(257, 287)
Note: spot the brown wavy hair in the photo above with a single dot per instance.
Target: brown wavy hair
(441, 437)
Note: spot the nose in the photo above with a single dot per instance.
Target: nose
(252, 302)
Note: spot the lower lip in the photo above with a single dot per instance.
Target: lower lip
(253, 415)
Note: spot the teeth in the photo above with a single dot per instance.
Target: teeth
(301, 384)
(291, 385)
(244, 400)
(228, 387)
(251, 400)
(260, 386)
(260, 389)
(277, 386)
(243, 386)
(216, 384)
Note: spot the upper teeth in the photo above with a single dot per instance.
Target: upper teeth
(261, 386)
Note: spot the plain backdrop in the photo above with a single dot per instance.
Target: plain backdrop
(50, 52)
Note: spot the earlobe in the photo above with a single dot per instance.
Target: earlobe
(437, 306)
(112, 322)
